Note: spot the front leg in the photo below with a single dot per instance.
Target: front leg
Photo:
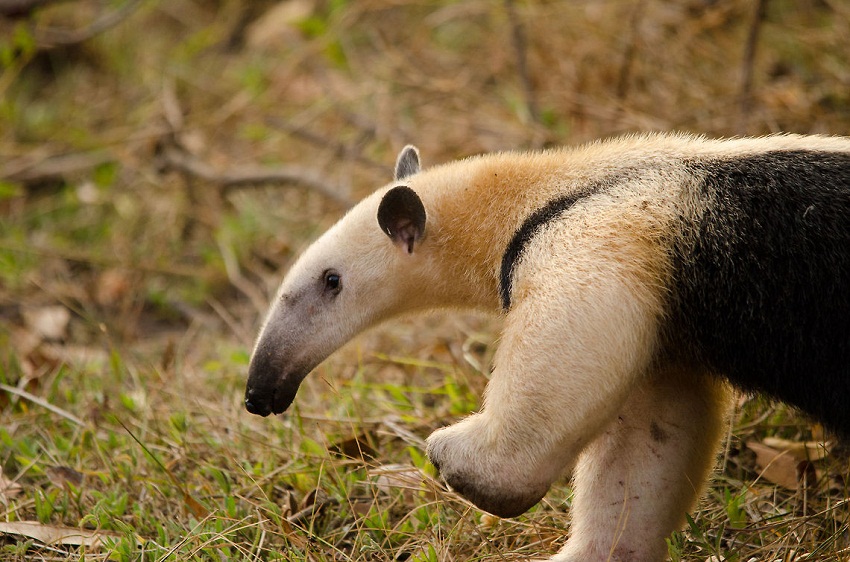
(567, 359)
(484, 472)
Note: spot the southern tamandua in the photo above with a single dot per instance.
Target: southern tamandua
(637, 278)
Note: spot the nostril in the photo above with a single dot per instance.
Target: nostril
(255, 405)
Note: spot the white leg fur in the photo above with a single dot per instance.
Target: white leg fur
(559, 380)
(635, 483)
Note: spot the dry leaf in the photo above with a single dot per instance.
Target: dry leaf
(361, 507)
(312, 505)
(61, 476)
(49, 322)
(9, 489)
(391, 476)
(34, 354)
(279, 25)
(807, 476)
(166, 362)
(801, 450)
(357, 447)
(112, 286)
(407, 478)
(489, 521)
(779, 467)
(54, 534)
(194, 507)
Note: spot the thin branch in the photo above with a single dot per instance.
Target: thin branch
(51, 37)
(520, 45)
(99, 261)
(234, 274)
(175, 158)
(240, 332)
(41, 402)
(22, 8)
(322, 502)
(745, 96)
(625, 74)
(52, 167)
(339, 149)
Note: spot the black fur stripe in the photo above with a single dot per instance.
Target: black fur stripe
(524, 235)
(539, 218)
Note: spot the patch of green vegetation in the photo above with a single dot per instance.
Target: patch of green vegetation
(138, 428)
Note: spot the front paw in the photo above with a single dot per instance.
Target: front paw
(496, 481)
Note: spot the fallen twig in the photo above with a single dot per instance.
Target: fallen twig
(234, 274)
(21, 8)
(520, 45)
(52, 167)
(322, 501)
(625, 73)
(41, 402)
(52, 37)
(339, 149)
(745, 96)
(173, 157)
(99, 261)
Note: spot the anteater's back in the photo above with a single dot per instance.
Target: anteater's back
(761, 275)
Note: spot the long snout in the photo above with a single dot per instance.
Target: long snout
(272, 382)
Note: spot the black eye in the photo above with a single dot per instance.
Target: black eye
(333, 282)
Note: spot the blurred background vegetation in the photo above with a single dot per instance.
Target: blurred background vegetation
(163, 161)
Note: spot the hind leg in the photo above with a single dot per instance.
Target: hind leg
(635, 483)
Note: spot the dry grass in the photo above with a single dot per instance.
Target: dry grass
(117, 203)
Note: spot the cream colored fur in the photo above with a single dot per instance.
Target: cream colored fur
(578, 382)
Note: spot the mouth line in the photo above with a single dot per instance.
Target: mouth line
(281, 403)
(276, 398)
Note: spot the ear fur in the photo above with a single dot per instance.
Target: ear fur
(407, 162)
(401, 216)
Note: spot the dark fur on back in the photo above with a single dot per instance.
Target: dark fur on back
(761, 279)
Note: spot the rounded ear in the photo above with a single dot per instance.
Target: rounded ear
(407, 162)
(401, 216)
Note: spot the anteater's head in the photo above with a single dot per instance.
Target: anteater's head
(360, 272)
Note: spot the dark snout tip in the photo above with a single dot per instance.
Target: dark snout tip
(257, 402)
(263, 401)
(260, 410)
